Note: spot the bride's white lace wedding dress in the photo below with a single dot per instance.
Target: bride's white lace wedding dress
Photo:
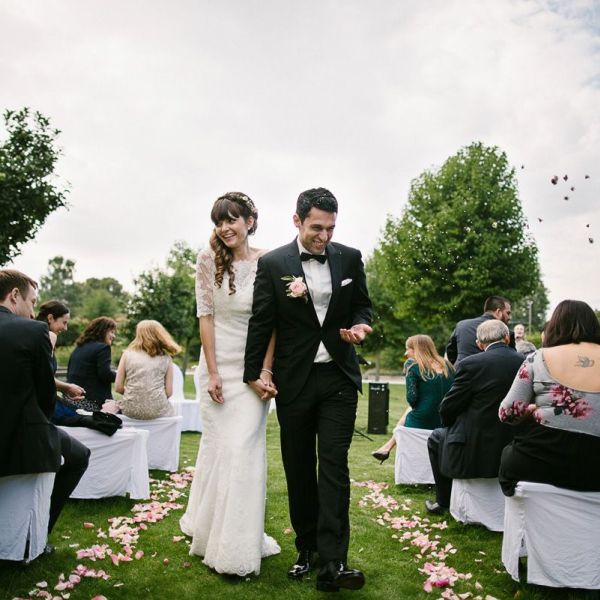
(226, 507)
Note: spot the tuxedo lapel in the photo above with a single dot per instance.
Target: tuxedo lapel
(334, 259)
(294, 267)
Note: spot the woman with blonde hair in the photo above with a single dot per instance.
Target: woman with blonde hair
(145, 373)
(428, 378)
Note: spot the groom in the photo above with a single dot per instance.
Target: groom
(313, 293)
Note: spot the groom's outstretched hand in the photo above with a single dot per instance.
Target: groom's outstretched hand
(356, 334)
(264, 390)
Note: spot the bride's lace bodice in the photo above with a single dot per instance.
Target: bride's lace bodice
(231, 312)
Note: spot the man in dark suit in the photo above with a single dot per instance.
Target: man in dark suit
(462, 342)
(471, 442)
(313, 293)
(29, 443)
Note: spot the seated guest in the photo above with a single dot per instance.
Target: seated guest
(29, 443)
(145, 373)
(56, 315)
(470, 443)
(521, 343)
(89, 365)
(428, 378)
(556, 399)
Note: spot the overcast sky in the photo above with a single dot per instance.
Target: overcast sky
(163, 106)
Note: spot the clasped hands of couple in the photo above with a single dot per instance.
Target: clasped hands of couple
(264, 387)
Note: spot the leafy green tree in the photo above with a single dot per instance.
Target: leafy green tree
(462, 237)
(167, 295)
(28, 190)
(100, 297)
(539, 309)
(59, 282)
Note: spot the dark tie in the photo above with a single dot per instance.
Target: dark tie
(318, 257)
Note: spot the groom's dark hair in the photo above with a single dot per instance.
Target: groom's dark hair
(318, 198)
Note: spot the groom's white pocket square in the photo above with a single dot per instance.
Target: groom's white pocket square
(346, 282)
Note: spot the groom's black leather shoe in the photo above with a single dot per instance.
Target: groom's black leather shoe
(336, 575)
(303, 564)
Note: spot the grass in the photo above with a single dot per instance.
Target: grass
(391, 573)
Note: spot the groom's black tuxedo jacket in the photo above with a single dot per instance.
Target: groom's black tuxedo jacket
(298, 332)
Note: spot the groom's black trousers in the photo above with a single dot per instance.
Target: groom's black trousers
(316, 432)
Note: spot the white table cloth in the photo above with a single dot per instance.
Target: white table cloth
(560, 530)
(118, 463)
(412, 459)
(478, 501)
(24, 514)
(163, 441)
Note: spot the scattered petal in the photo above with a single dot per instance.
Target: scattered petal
(88, 526)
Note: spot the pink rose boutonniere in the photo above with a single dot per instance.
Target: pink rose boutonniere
(296, 288)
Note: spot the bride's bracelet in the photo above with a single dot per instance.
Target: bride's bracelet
(267, 371)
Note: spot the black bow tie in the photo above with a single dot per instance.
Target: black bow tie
(318, 257)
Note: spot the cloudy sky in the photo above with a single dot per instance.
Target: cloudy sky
(163, 106)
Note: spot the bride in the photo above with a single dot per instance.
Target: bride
(226, 507)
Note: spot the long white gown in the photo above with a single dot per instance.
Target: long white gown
(226, 507)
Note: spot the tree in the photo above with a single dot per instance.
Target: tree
(539, 309)
(462, 237)
(167, 295)
(28, 192)
(101, 297)
(59, 282)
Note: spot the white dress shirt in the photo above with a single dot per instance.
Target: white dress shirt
(318, 280)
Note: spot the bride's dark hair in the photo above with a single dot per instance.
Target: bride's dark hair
(229, 206)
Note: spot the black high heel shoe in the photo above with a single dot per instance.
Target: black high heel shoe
(381, 456)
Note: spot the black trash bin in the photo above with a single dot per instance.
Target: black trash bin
(379, 407)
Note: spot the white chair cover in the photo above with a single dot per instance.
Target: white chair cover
(24, 513)
(118, 463)
(560, 530)
(178, 382)
(163, 443)
(189, 411)
(478, 501)
(412, 458)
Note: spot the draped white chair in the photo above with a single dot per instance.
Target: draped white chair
(412, 458)
(189, 410)
(24, 514)
(479, 501)
(118, 464)
(559, 532)
(164, 437)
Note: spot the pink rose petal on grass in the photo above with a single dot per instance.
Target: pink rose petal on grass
(42, 584)
(139, 554)
(88, 526)
(178, 538)
(99, 598)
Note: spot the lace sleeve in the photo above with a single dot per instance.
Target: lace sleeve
(514, 407)
(205, 283)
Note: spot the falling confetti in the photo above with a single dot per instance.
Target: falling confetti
(566, 197)
(565, 177)
(540, 219)
(587, 176)
(591, 240)
(522, 166)
(554, 180)
(572, 188)
(588, 225)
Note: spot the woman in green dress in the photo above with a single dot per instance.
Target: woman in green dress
(428, 378)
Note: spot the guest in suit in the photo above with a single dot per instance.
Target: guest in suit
(556, 400)
(89, 365)
(145, 373)
(470, 443)
(29, 443)
(313, 293)
(463, 340)
(428, 378)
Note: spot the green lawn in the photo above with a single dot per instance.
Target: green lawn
(391, 572)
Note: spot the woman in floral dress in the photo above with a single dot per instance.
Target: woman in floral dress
(555, 401)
